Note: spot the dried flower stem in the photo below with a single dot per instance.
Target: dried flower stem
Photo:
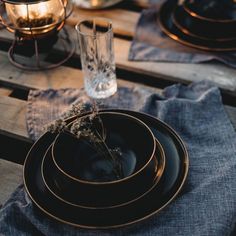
(86, 127)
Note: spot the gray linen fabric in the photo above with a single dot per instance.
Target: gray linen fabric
(207, 205)
(59, 101)
(151, 44)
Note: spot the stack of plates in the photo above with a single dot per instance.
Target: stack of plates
(172, 167)
(208, 25)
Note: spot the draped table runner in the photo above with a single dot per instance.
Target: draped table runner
(207, 204)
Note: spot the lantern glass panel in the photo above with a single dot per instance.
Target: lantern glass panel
(36, 18)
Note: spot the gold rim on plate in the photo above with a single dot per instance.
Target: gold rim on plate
(178, 37)
(196, 15)
(187, 32)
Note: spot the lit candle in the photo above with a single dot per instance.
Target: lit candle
(95, 3)
(35, 15)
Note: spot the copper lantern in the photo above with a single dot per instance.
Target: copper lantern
(37, 23)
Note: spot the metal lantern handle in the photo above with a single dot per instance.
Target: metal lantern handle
(1, 10)
(66, 5)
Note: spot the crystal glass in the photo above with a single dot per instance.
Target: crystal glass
(97, 57)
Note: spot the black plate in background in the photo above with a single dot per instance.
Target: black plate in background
(211, 32)
(171, 183)
(212, 10)
(165, 21)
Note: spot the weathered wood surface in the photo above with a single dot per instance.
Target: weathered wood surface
(124, 24)
(61, 77)
(123, 21)
(5, 91)
(12, 122)
(221, 75)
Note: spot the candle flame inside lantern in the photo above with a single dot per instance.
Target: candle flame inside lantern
(37, 17)
(95, 3)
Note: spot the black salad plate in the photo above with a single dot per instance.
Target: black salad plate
(172, 181)
(166, 23)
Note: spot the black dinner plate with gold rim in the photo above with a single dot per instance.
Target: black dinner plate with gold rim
(165, 21)
(212, 10)
(170, 184)
(187, 26)
(71, 196)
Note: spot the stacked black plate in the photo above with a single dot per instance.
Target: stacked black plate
(207, 25)
(38, 180)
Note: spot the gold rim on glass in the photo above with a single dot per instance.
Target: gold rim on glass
(107, 24)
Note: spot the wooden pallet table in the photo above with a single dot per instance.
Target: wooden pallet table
(16, 83)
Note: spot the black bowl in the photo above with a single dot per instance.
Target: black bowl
(73, 198)
(167, 24)
(202, 26)
(78, 168)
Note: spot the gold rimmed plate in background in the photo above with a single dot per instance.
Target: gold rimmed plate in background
(188, 26)
(159, 197)
(166, 24)
(212, 10)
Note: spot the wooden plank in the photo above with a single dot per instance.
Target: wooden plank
(5, 91)
(11, 177)
(60, 77)
(123, 21)
(12, 121)
(221, 75)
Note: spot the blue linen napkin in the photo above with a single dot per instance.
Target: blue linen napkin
(151, 44)
(207, 205)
